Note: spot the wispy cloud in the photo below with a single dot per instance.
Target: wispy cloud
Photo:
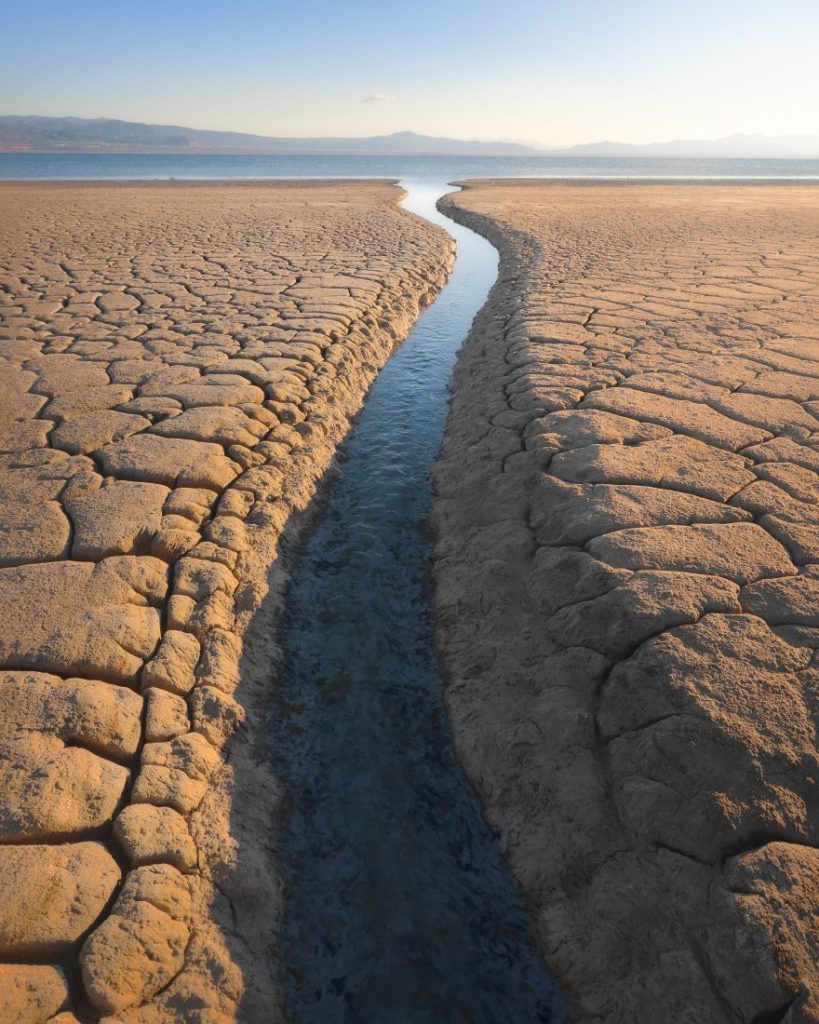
(378, 97)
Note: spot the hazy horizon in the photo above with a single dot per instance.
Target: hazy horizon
(547, 74)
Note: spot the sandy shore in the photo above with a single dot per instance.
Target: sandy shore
(628, 582)
(177, 366)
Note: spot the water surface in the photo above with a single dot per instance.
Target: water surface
(399, 907)
(431, 169)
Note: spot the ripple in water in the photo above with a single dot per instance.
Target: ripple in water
(399, 907)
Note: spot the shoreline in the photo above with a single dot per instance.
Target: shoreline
(578, 179)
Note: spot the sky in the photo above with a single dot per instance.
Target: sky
(553, 72)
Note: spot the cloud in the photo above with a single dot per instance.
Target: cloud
(378, 97)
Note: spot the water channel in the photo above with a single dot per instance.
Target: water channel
(399, 906)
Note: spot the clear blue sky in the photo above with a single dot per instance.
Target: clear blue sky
(552, 71)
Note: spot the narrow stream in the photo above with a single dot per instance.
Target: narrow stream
(399, 907)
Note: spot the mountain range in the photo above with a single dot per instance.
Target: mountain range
(36, 134)
(735, 146)
(76, 134)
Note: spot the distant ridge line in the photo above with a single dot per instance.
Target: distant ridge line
(36, 134)
(73, 134)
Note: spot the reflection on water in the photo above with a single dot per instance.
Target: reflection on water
(398, 905)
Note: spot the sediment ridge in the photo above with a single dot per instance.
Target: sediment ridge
(178, 365)
(627, 574)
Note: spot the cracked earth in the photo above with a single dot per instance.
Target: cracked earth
(627, 576)
(177, 366)
(627, 569)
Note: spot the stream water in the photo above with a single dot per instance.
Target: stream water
(399, 906)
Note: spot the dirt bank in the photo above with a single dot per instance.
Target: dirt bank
(627, 571)
(178, 363)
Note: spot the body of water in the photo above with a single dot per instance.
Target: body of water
(101, 166)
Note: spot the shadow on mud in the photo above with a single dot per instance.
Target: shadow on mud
(397, 905)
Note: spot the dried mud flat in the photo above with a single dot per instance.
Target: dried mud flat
(628, 587)
(177, 366)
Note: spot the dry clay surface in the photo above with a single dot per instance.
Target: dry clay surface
(628, 587)
(177, 366)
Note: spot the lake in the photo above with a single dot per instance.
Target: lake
(129, 166)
